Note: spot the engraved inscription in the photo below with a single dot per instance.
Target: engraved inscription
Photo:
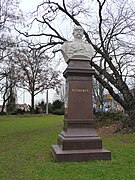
(80, 90)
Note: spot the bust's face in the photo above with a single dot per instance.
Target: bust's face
(78, 32)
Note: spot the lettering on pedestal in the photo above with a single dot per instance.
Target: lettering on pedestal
(80, 90)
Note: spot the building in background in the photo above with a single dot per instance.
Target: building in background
(109, 104)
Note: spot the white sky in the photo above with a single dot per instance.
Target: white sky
(27, 5)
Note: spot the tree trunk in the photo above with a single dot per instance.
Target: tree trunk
(129, 119)
(32, 102)
(4, 101)
(3, 106)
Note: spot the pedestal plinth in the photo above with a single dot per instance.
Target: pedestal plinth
(79, 141)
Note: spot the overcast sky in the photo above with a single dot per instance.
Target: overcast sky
(23, 96)
(27, 5)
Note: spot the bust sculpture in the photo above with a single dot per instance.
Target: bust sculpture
(77, 49)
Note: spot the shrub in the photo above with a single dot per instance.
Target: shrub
(3, 113)
(58, 107)
(58, 111)
(107, 118)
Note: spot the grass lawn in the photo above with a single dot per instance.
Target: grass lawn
(25, 152)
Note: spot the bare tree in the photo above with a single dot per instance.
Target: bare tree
(110, 29)
(35, 73)
(60, 94)
(9, 16)
(9, 13)
(98, 94)
(8, 81)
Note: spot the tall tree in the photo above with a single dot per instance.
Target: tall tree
(8, 80)
(60, 94)
(9, 16)
(110, 28)
(35, 72)
(98, 94)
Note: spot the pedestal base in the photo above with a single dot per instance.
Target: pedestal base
(78, 145)
(79, 155)
(79, 141)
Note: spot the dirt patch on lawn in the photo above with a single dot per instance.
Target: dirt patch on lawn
(111, 129)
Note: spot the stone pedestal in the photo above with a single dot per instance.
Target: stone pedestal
(79, 141)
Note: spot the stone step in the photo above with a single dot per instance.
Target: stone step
(79, 155)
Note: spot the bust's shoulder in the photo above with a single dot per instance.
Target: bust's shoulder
(67, 42)
(88, 45)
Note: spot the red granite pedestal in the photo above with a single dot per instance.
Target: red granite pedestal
(79, 141)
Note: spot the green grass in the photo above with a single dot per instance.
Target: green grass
(25, 153)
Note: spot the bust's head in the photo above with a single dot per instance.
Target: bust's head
(78, 32)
